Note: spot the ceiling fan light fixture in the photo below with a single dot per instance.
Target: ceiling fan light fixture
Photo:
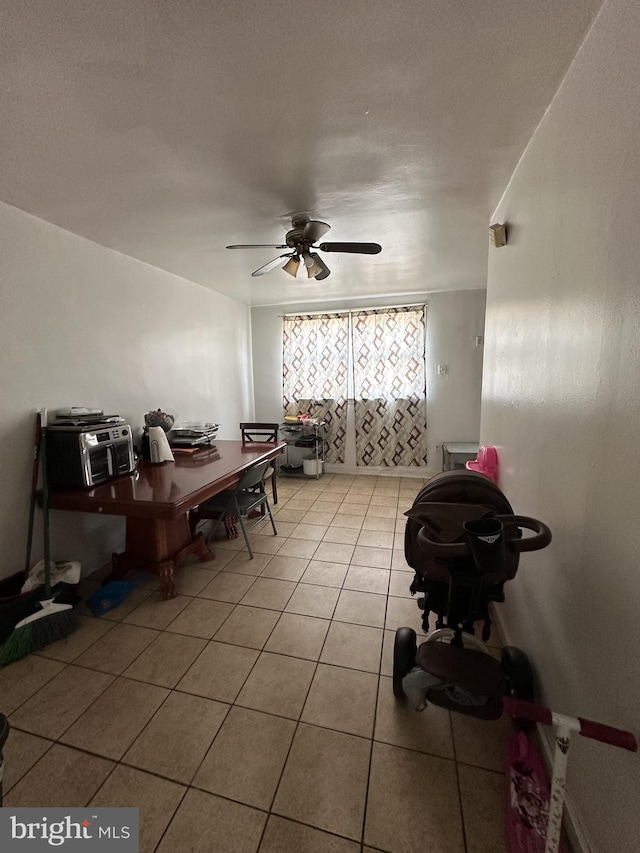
(292, 266)
(311, 263)
(323, 269)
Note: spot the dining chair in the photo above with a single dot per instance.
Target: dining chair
(248, 496)
(257, 432)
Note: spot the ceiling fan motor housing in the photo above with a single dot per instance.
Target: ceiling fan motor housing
(294, 238)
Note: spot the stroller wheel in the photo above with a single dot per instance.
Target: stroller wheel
(405, 649)
(518, 679)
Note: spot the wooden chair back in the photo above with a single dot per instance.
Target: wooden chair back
(252, 432)
(256, 432)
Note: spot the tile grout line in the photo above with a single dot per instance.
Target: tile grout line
(299, 717)
(281, 611)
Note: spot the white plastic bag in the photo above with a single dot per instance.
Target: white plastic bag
(63, 571)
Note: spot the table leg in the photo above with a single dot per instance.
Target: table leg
(158, 546)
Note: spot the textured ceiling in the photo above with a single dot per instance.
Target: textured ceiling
(167, 129)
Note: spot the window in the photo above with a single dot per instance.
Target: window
(315, 370)
(385, 366)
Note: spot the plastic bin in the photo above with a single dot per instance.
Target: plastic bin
(311, 466)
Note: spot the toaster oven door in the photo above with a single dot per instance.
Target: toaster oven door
(121, 458)
(98, 464)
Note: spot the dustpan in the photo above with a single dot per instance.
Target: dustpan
(52, 620)
(111, 595)
(15, 605)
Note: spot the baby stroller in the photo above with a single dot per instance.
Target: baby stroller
(464, 542)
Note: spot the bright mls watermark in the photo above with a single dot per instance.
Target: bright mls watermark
(108, 830)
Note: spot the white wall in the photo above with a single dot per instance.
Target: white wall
(83, 325)
(453, 400)
(561, 400)
(454, 321)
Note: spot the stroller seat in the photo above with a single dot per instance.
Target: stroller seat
(463, 541)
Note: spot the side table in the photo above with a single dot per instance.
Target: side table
(455, 454)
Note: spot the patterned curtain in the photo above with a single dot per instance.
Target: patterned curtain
(315, 354)
(390, 386)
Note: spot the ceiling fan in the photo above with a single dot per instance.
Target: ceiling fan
(301, 240)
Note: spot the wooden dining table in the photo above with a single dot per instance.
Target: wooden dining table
(156, 500)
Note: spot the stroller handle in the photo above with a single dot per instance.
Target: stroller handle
(531, 543)
(451, 550)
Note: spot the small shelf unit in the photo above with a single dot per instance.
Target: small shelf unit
(305, 442)
(455, 454)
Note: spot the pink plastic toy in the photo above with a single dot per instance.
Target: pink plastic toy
(534, 814)
(486, 462)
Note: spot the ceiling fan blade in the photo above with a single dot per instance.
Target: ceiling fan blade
(259, 246)
(276, 262)
(355, 248)
(314, 230)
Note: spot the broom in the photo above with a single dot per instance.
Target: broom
(53, 621)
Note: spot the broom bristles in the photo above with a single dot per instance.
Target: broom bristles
(53, 621)
(37, 634)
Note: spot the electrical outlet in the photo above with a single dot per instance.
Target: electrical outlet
(437, 448)
(442, 368)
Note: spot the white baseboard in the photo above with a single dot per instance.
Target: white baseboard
(101, 564)
(380, 471)
(570, 822)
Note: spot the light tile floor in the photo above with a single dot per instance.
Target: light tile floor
(254, 711)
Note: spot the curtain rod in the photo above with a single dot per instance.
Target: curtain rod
(352, 310)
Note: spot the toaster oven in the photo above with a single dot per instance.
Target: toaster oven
(88, 455)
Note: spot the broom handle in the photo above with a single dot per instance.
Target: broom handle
(34, 488)
(4, 734)
(45, 506)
